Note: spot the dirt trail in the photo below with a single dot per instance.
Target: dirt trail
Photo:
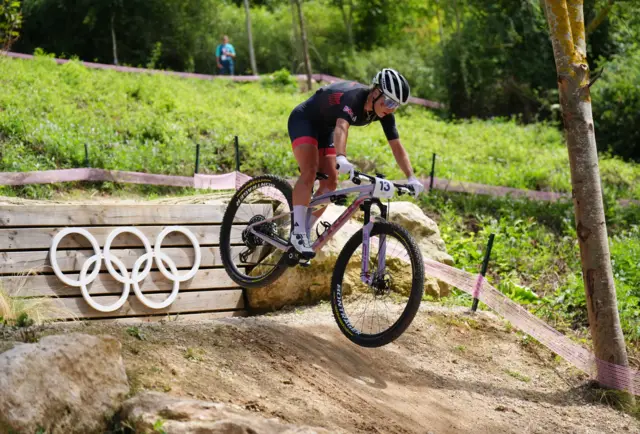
(449, 373)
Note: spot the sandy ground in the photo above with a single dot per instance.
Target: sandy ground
(451, 372)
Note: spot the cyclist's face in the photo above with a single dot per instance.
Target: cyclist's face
(381, 108)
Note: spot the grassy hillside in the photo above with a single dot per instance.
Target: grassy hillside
(153, 123)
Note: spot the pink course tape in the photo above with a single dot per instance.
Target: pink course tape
(606, 373)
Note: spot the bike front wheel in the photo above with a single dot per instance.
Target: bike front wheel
(377, 312)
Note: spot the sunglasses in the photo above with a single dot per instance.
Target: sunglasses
(389, 103)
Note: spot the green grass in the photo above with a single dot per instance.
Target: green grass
(152, 123)
(535, 258)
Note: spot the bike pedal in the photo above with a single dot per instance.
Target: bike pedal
(293, 257)
(305, 263)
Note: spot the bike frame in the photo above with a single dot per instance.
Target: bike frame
(364, 200)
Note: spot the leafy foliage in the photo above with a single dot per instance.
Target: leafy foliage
(10, 22)
(535, 258)
(152, 123)
(616, 106)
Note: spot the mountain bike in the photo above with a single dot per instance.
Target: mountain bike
(378, 279)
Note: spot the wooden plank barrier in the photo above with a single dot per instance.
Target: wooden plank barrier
(27, 233)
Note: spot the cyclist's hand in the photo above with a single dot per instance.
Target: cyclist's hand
(344, 166)
(416, 184)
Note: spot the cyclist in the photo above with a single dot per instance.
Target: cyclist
(318, 129)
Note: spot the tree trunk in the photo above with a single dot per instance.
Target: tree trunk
(566, 24)
(296, 43)
(252, 54)
(305, 46)
(113, 40)
(440, 27)
(348, 23)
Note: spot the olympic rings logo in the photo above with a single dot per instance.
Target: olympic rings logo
(123, 276)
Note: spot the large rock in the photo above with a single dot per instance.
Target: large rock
(300, 285)
(63, 384)
(156, 412)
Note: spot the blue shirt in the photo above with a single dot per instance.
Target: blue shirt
(222, 50)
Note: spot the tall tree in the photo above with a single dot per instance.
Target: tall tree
(113, 39)
(346, 8)
(10, 23)
(567, 30)
(305, 45)
(252, 53)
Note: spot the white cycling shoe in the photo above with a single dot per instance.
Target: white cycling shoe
(301, 243)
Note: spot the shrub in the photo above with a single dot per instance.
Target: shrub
(616, 106)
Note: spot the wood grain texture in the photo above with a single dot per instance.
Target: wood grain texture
(51, 286)
(121, 214)
(195, 301)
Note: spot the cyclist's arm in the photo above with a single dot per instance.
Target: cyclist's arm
(340, 135)
(401, 156)
(393, 137)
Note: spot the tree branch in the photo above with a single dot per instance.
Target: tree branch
(576, 18)
(595, 23)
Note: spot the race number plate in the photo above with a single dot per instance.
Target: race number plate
(384, 189)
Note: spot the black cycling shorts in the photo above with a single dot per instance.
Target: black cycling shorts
(302, 130)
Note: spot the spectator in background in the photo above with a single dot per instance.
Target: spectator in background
(225, 53)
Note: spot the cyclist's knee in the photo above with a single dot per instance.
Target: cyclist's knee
(331, 183)
(308, 175)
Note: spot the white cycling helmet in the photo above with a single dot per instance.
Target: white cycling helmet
(393, 85)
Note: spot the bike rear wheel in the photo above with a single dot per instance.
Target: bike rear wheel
(373, 315)
(249, 260)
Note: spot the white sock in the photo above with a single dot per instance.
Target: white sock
(299, 217)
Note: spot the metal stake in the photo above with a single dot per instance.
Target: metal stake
(237, 146)
(433, 171)
(485, 264)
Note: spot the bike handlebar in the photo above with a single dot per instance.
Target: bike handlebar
(401, 188)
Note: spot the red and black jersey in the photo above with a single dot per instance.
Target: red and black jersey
(342, 100)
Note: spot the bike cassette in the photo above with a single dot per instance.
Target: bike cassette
(268, 228)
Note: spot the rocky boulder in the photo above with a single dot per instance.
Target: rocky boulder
(158, 412)
(63, 384)
(300, 285)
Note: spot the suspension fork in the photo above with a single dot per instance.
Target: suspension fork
(366, 277)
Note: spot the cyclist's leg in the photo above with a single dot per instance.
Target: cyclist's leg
(326, 165)
(305, 150)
